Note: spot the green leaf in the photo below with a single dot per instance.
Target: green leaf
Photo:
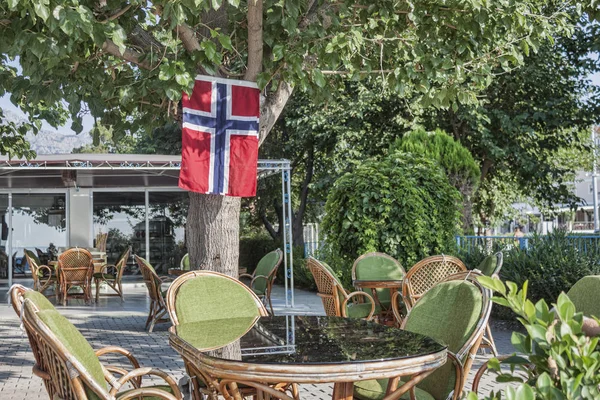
(225, 42)
(41, 10)
(319, 78)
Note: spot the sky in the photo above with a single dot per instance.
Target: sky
(88, 122)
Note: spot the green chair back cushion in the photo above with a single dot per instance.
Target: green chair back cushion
(77, 345)
(185, 262)
(585, 295)
(39, 300)
(214, 333)
(377, 268)
(488, 265)
(449, 313)
(33, 256)
(264, 267)
(205, 298)
(374, 389)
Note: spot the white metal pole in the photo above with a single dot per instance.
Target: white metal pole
(291, 237)
(10, 236)
(284, 236)
(595, 180)
(147, 219)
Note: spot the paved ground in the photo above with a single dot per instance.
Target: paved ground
(114, 323)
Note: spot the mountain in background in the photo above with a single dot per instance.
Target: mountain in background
(49, 142)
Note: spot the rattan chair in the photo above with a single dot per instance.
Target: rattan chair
(158, 308)
(187, 300)
(426, 274)
(112, 275)
(261, 281)
(101, 239)
(336, 300)
(71, 369)
(75, 268)
(378, 267)
(455, 312)
(43, 276)
(490, 266)
(184, 265)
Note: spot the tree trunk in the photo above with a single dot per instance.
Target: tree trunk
(213, 226)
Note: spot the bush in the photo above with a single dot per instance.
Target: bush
(402, 205)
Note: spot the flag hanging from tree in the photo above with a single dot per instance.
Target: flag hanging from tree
(219, 151)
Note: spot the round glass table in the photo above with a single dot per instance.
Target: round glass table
(261, 352)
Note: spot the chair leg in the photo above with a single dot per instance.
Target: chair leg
(149, 314)
(97, 282)
(490, 338)
(120, 286)
(270, 304)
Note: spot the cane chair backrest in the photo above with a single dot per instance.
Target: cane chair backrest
(378, 267)
(151, 279)
(585, 295)
(491, 265)
(101, 240)
(267, 266)
(75, 370)
(76, 265)
(122, 263)
(330, 288)
(455, 312)
(206, 296)
(34, 263)
(426, 274)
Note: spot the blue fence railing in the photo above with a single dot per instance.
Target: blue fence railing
(583, 243)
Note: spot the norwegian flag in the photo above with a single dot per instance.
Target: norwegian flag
(220, 137)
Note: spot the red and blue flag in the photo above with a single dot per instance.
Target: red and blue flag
(220, 137)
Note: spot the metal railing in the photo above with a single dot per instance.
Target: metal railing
(583, 243)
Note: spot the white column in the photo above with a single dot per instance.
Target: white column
(9, 251)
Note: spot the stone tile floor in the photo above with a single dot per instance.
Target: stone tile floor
(112, 322)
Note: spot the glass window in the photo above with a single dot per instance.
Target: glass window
(38, 224)
(123, 216)
(167, 215)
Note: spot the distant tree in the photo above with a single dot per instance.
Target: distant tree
(103, 141)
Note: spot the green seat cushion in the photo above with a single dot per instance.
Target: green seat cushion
(77, 345)
(99, 275)
(258, 292)
(585, 295)
(164, 388)
(360, 310)
(375, 390)
(39, 300)
(377, 268)
(449, 313)
(207, 297)
(488, 265)
(185, 262)
(264, 267)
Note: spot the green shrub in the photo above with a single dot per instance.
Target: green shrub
(402, 205)
(252, 249)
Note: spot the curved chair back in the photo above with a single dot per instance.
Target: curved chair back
(330, 289)
(491, 265)
(455, 312)
(378, 267)
(122, 263)
(151, 279)
(185, 262)
(585, 295)
(206, 295)
(76, 265)
(426, 274)
(267, 266)
(34, 265)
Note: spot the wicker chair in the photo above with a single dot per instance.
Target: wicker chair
(426, 274)
(184, 265)
(490, 266)
(158, 308)
(378, 267)
(335, 298)
(75, 268)
(69, 366)
(43, 276)
(112, 275)
(101, 239)
(261, 281)
(455, 312)
(187, 298)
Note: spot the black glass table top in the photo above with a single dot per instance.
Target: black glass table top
(307, 340)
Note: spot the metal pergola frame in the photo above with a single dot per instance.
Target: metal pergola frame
(265, 168)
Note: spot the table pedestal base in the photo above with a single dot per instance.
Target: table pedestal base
(343, 391)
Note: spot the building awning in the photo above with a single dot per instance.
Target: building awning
(101, 171)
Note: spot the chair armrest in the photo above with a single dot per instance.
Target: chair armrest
(165, 279)
(148, 392)
(245, 276)
(459, 370)
(138, 373)
(364, 294)
(266, 278)
(484, 368)
(269, 391)
(45, 267)
(119, 350)
(395, 307)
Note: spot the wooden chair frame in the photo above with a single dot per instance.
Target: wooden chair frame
(210, 388)
(270, 279)
(77, 275)
(330, 291)
(488, 340)
(468, 351)
(38, 283)
(69, 378)
(158, 307)
(415, 285)
(114, 284)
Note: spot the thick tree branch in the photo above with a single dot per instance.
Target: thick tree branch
(129, 55)
(310, 158)
(188, 38)
(272, 108)
(255, 39)
(268, 226)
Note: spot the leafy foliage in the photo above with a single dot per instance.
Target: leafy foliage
(556, 359)
(402, 205)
